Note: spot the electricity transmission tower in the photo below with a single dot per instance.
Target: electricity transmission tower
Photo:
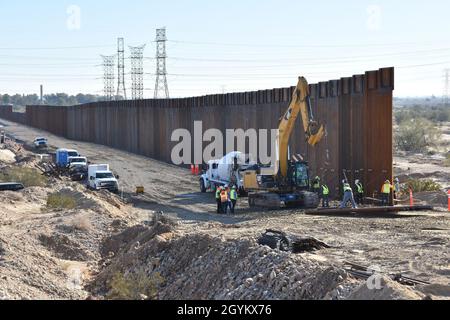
(137, 72)
(121, 92)
(446, 86)
(108, 76)
(161, 86)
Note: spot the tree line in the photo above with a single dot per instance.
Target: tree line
(58, 99)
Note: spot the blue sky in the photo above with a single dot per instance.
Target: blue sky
(225, 46)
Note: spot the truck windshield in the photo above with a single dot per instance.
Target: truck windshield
(72, 154)
(104, 175)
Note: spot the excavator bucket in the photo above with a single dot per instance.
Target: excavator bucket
(314, 139)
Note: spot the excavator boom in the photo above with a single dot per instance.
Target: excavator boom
(300, 103)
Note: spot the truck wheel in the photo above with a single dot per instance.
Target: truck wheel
(202, 186)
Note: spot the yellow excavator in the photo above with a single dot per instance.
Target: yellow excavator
(286, 183)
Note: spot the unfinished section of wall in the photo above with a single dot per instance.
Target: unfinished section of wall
(356, 112)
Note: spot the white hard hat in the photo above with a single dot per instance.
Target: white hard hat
(356, 181)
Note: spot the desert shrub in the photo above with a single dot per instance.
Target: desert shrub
(134, 286)
(431, 113)
(27, 176)
(60, 201)
(421, 185)
(416, 135)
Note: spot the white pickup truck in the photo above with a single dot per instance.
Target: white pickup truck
(78, 162)
(226, 171)
(40, 143)
(100, 177)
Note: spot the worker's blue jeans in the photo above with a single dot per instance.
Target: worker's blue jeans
(385, 199)
(348, 196)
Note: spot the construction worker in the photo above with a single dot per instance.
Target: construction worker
(386, 192)
(219, 203)
(325, 196)
(348, 196)
(233, 198)
(316, 186)
(224, 199)
(359, 192)
(397, 188)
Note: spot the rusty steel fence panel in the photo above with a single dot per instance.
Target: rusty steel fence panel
(356, 112)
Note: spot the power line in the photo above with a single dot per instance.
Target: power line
(56, 48)
(295, 46)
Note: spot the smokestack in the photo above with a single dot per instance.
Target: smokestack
(42, 94)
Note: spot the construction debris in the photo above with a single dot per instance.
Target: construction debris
(290, 243)
(363, 272)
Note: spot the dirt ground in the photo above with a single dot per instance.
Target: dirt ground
(41, 252)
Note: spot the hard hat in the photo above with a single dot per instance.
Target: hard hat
(233, 187)
(387, 181)
(356, 181)
(396, 179)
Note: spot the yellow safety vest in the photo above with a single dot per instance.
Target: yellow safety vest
(386, 188)
(325, 190)
(233, 195)
(218, 193)
(316, 183)
(360, 188)
(347, 187)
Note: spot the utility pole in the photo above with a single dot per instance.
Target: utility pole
(137, 72)
(161, 86)
(108, 76)
(121, 91)
(446, 87)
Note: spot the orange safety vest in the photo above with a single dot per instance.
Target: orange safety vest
(386, 188)
(224, 196)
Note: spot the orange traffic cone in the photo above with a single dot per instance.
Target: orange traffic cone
(448, 200)
(192, 169)
(411, 198)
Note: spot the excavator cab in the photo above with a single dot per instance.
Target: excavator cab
(299, 172)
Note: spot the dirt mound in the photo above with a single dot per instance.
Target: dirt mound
(437, 199)
(82, 202)
(113, 244)
(64, 248)
(390, 290)
(7, 156)
(10, 197)
(201, 266)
